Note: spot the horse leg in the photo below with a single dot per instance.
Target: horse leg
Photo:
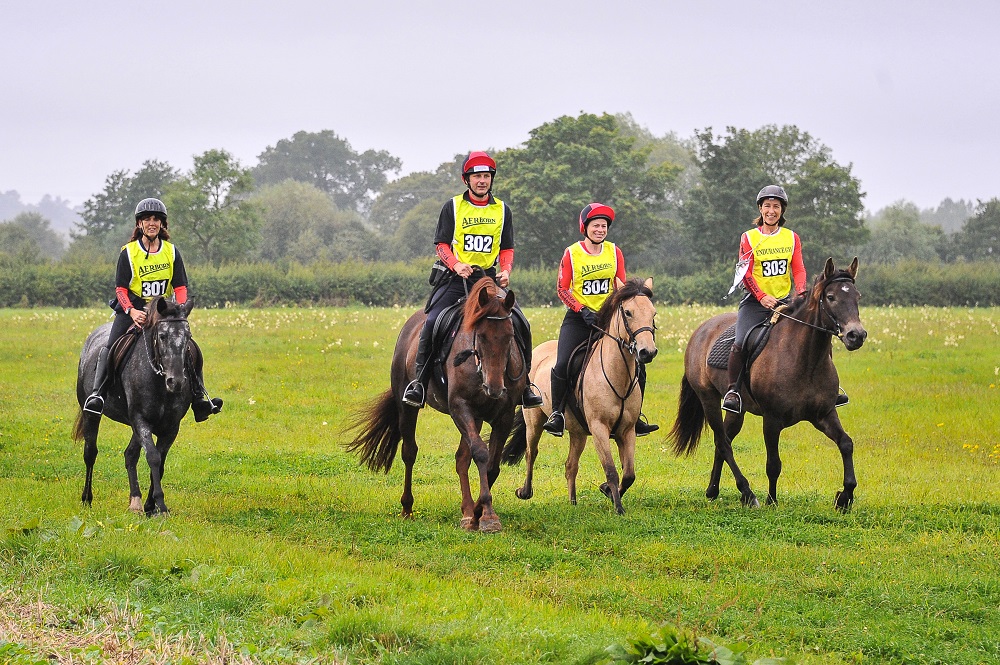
(154, 498)
(626, 454)
(132, 452)
(532, 433)
(577, 442)
(90, 428)
(163, 443)
(408, 429)
(772, 431)
(724, 453)
(463, 460)
(830, 425)
(601, 435)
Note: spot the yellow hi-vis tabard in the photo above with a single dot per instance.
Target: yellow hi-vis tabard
(151, 273)
(772, 261)
(477, 232)
(593, 274)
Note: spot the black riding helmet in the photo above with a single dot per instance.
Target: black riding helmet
(154, 206)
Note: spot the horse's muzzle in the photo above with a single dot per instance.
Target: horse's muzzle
(173, 383)
(855, 338)
(495, 394)
(646, 355)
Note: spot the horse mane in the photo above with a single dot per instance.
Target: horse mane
(474, 312)
(634, 286)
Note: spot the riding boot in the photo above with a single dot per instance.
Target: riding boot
(642, 426)
(201, 405)
(95, 402)
(415, 394)
(732, 401)
(842, 399)
(530, 399)
(556, 424)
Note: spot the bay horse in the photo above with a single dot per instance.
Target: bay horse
(606, 395)
(151, 392)
(485, 376)
(793, 380)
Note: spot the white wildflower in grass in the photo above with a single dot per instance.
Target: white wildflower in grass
(251, 401)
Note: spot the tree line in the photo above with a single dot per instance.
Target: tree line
(681, 203)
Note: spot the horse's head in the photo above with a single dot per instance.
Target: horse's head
(836, 298)
(488, 317)
(629, 316)
(169, 334)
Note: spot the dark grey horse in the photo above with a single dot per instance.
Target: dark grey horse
(151, 392)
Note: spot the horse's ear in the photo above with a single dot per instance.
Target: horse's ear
(830, 268)
(484, 297)
(648, 283)
(187, 306)
(508, 301)
(161, 305)
(853, 269)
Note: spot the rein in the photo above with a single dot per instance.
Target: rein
(156, 366)
(836, 331)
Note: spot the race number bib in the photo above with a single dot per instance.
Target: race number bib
(595, 287)
(478, 243)
(774, 268)
(155, 288)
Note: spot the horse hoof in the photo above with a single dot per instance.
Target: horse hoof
(490, 525)
(135, 505)
(606, 490)
(751, 501)
(523, 494)
(470, 524)
(842, 502)
(712, 493)
(620, 510)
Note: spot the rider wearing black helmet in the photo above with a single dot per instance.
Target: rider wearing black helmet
(588, 272)
(771, 258)
(148, 266)
(475, 233)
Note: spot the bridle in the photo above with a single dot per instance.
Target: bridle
(474, 352)
(624, 347)
(154, 358)
(837, 331)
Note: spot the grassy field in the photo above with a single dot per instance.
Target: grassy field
(280, 548)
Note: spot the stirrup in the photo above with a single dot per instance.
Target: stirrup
(556, 424)
(414, 394)
(728, 404)
(94, 404)
(530, 399)
(842, 399)
(643, 427)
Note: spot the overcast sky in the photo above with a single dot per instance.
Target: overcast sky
(908, 92)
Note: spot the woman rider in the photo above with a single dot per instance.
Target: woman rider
(588, 271)
(148, 266)
(475, 234)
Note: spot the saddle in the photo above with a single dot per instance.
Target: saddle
(756, 340)
(577, 365)
(124, 345)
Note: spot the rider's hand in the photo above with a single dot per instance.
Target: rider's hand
(503, 278)
(589, 316)
(769, 301)
(137, 315)
(463, 270)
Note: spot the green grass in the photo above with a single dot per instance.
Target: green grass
(280, 548)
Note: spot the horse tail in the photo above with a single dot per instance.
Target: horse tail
(517, 444)
(379, 434)
(81, 418)
(690, 423)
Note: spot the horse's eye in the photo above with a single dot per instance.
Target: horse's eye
(628, 314)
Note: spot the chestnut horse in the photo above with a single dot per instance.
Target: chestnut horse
(792, 380)
(607, 394)
(485, 375)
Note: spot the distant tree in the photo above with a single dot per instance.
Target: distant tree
(301, 223)
(949, 215)
(414, 237)
(30, 235)
(328, 162)
(108, 217)
(824, 198)
(568, 163)
(210, 216)
(980, 236)
(401, 196)
(898, 234)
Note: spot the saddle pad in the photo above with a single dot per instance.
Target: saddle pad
(719, 355)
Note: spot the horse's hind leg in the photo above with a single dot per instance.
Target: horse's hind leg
(532, 433)
(830, 425)
(90, 428)
(577, 442)
(724, 453)
(408, 453)
(772, 433)
(132, 452)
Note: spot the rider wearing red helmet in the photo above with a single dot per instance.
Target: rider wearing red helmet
(475, 234)
(588, 272)
(148, 266)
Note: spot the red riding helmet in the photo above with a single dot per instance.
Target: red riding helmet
(478, 162)
(593, 211)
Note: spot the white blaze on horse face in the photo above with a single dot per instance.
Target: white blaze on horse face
(844, 288)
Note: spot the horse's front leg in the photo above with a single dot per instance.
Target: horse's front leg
(601, 434)
(163, 443)
(772, 432)
(154, 499)
(830, 425)
(132, 452)
(626, 453)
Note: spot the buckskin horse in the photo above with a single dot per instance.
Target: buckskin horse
(605, 400)
(151, 392)
(792, 380)
(484, 375)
